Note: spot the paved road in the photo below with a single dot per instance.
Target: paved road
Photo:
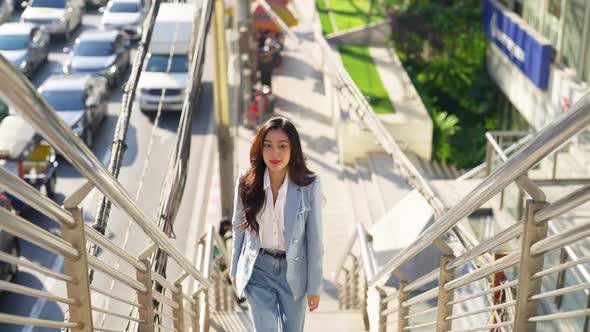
(132, 175)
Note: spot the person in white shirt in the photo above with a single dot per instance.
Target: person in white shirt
(277, 231)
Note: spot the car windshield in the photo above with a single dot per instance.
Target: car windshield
(13, 42)
(65, 100)
(159, 63)
(124, 7)
(49, 3)
(11, 166)
(94, 48)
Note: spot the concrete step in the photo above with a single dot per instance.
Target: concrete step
(339, 320)
(391, 186)
(367, 192)
(433, 170)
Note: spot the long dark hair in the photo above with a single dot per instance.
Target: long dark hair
(251, 184)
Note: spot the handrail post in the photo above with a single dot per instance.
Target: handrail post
(196, 308)
(529, 265)
(560, 277)
(207, 308)
(346, 287)
(489, 158)
(444, 310)
(354, 286)
(375, 307)
(402, 311)
(146, 299)
(178, 313)
(79, 290)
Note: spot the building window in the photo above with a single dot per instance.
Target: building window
(572, 33)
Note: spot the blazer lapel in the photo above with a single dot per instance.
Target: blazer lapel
(293, 200)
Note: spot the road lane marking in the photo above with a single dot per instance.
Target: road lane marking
(40, 302)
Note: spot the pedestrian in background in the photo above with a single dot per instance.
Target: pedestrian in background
(277, 231)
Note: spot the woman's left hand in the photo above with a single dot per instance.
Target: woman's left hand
(313, 301)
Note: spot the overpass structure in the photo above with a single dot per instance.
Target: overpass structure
(444, 278)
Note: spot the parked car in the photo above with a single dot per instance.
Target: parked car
(55, 16)
(6, 9)
(103, 53)
(80, 101)
(25, 45)
(124, 15)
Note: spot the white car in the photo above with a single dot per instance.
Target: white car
(155, 78)
(124, 15)
(55, 16)
(6, 9)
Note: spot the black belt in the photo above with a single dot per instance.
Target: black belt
(272, 253)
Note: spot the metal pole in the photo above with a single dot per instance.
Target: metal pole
(354, 283)
(444, 310)
(529, 265)
(560, 277)
(77, 268)
(242, 27)
(222, 112)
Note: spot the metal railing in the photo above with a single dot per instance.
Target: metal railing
(176, 307)
(527, 261)
(210, 271)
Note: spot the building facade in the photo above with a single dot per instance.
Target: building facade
(538, 56)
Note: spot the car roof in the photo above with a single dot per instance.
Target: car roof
(16, 28)
(126, 1)
(65, 82)
(98, 35)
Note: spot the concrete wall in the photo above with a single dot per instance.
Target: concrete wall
(377, 33)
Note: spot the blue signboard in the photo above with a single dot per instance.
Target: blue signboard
(528, 52)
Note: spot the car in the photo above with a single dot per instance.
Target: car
(124, 15)
(3, 110)
(8, 244)
(79, 100)
(55, 16)
(103, 53)
(6, 9)
(172, 31)
(25, 45)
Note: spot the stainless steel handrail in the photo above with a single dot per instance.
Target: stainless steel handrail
(565, 126)
(564, 204)
(40, 115)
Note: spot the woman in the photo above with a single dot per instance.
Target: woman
(277, 231)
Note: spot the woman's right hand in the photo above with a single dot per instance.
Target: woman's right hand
(233, 281)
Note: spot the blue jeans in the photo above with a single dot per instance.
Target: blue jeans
(269, 297)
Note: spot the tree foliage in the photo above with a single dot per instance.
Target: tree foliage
(441, 45)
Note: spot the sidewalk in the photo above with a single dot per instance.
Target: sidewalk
(303, 98)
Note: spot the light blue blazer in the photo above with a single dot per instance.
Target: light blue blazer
(303, 237)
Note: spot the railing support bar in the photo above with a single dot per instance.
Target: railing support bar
(529, 265)
(146, 314)
(444, 309)
(77, 268)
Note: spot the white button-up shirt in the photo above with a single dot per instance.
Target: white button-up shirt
(271, 218)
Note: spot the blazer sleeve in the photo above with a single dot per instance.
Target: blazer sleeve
(237, 234)
(315, 248)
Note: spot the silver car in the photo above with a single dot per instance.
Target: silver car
(103, 53)
(80, 101)
(25, 45)
(55, 16)
(124, 15)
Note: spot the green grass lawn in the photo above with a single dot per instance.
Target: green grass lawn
(324, 17)
(354, 13)
(359, 64)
